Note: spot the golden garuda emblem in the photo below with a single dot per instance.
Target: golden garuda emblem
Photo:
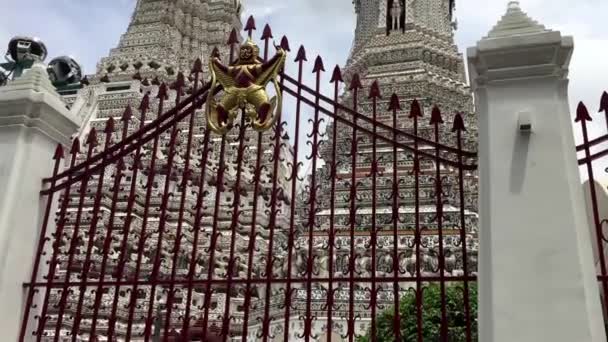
(244, 86)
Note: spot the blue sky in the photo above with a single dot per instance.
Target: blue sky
(88, 29)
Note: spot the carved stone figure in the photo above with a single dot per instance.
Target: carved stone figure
(396, 15)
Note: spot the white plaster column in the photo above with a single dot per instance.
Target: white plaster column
(536, 273)
(33, 120)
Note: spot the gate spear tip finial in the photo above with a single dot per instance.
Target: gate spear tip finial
(250, 26)
(92, 137)
(75, 147)
(144, 105)
(233, 38)
(127, 114)
(198, 66)
(162, 92)
(336, 76)
(109, 129)
(267, 33)
(604, 103)
(394, 104)
(458, 123)
(582, 114)
(436, 116)
(285, 44)
(301, 56)
(374, 92)
(355, 83)
(58, 152)
(415, 110)
(318, 65)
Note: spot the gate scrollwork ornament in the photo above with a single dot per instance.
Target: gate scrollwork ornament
(244, 85)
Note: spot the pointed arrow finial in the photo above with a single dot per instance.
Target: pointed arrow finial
(318, 65)
(604, 103)
(436, 116)
(250, 26)
(285, 44)
(92, 137)
(374, 91)
(233, 38)
(58, 152)
(127, 114)
(110, 126)
(215, 53)
(395, 104)
(336, 76)
(458, 123)
(267, 33)
(301, 56)
(75, 147)
(162, 92)
(137, 76)
(198, 66)
(355, 83)
(415, 110)
(144, 105)
(582, 114)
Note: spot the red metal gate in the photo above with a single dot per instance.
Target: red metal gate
(592, 157)
(166, 231)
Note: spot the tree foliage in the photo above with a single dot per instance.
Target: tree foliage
(431, 316)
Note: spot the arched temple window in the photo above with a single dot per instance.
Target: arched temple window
(395, 16)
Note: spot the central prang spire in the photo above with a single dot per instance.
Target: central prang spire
(165, 36)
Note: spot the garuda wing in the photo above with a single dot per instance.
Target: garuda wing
(220, 74)
(273, 69)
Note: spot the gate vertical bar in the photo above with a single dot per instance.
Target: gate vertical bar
(336, 79)
(120, 167)
(91, 143)
(236, 212)
(374, 95)
(415, 113)
(197, 229)
(56, 245)
(215, 235)
(395, 106)
(300, 58)
(109, 129)
(196, 70)
(435, 121)
(311, 224)
(253, 234)
(40, 249)
(582, 116)
(459, 128)
(354, 88)
(126, 118)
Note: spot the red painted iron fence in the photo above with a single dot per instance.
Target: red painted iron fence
(164, 231)
(592, 158)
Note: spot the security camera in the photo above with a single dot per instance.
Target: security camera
(26, 49)
(64, 70)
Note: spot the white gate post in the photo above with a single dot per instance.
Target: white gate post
(536, 273)
(33, 120)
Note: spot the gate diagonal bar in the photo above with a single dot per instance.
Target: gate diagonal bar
(331, 226)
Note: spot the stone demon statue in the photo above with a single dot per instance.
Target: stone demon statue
(244, 86)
